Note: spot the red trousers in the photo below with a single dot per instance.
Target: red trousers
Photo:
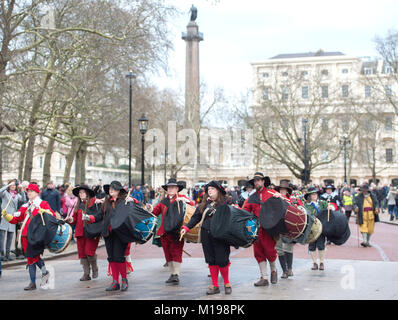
(264, 247)
(172, 249)
(31, 261)
(86, 246)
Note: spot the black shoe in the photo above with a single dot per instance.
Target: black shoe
(113, 287)
(213, 290)
(125, 285)
(31, 286)
(4, 258)
(173, 279)
(10, 258)
(228, 290)
(391, 218)
(20, 257)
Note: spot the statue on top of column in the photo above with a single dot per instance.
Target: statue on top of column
(194, 13)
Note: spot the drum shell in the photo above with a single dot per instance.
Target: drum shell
(193, 234)
(62, 239)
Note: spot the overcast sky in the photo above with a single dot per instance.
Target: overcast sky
(238, 32)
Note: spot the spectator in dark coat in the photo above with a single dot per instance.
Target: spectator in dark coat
(52, 197)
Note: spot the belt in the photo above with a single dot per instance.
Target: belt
(367, 209)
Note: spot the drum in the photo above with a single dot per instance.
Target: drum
(315, 232)
(145, 229)
(295, 221)
(193, 234)
(61, 239)
(251, 228)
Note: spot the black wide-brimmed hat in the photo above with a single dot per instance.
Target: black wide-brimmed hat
(363, 187)
(173, 183)
(310, 191)
(116, 185)
(267, 180)
(90, 192)
(329, 186)
(284, 184)
(217, 185)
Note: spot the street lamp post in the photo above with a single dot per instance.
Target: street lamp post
(143, 125)
(343, 144)
(305, 121)
(130, 76)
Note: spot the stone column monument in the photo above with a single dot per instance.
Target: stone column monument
(192, 101)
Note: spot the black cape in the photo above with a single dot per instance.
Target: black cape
(124, 218)
(174, 216)
(93, 230)
(337, 229)
(272, 216)
(38, 235)
(229, 223)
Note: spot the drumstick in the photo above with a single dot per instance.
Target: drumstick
(328, 208)
(9, 201)
(128, 195)
(186, 253)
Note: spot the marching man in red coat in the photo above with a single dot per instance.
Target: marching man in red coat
(24, 215)
(86, 247)
(264, 247)
(172, 248)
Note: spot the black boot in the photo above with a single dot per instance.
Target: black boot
(31, 286)
(113, 287)
(125, 285)
(282, 261)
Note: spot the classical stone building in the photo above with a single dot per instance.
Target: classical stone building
(341, 81)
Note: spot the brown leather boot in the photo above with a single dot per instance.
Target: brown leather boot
(261, 283)
(86, 269)
(274, 277)
(31, 286)
(315, 266)
(94, 267)
(321, 266)
(213, 290)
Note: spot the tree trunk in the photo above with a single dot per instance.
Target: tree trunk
(83, 156)
(78, 179)
(50, 146)
(69, 161)
(32, 122)
(21, 159)
(1, 163)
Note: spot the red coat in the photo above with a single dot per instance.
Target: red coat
(161, 208)
(20, 215)
(255, 208)
(77, 219)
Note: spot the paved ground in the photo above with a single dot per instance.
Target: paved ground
(352, 272)
(342, 279)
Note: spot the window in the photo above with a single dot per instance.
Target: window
(325, 123)
(344, 71)
(367, 91)
(265, 94)
(265, 75)
(388, 155)
(284, 74)
(325, 92)
(6, 162)
(285, 93)
(304, 92)
(388, 123)
(367, 70)
(304, 74)
(388, 70)
(344, 91)
(324, 72)
(388, 90)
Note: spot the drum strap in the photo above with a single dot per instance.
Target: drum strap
(200, 223)
(27, 216)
